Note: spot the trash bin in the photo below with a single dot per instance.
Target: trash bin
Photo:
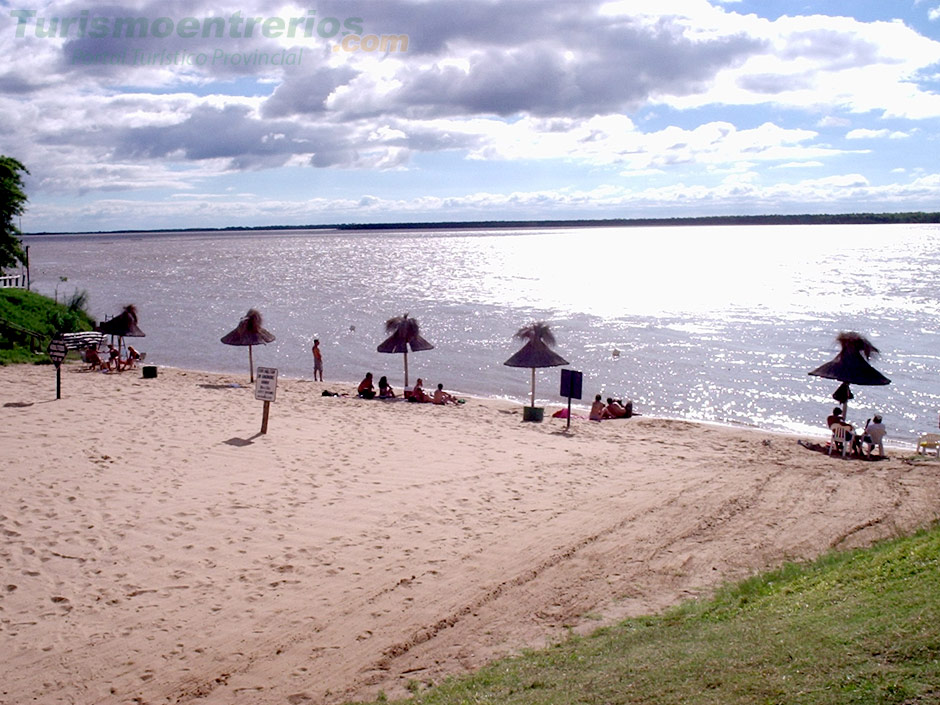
(533, 413)
(149, 372)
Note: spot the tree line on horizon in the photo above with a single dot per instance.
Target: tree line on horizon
(13, 204)
(908, 217)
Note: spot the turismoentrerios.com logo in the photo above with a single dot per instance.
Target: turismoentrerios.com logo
(348, 33)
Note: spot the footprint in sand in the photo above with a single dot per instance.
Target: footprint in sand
(62, 602)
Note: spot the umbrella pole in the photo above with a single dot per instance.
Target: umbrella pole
(406, 369)
(533, 388)
(251, 365)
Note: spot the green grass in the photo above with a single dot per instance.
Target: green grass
(40, 314)
(856, 628)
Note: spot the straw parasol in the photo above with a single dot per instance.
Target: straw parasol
(249, 332)
(124, 325)
(851, 366)
(405, 333)
(537, 351)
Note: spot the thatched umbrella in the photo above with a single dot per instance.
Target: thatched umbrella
(537, 351)
(851, 366)
(405, 334)
(249, 332)
(124, 325)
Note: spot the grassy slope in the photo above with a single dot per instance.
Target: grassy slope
(37, 313)
(855, 628)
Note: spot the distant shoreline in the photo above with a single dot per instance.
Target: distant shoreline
(916, 217)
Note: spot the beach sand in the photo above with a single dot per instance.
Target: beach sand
(158, 549)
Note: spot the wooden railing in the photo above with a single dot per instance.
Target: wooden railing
(36, 340)
(13, 281)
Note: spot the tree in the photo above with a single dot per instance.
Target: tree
(12, 204)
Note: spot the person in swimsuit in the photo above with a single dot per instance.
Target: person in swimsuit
(317, 361)
(418, 394)
(441, 397)
(132, 358)
(366, 388)
(385, 391)
(598, 410)
(114, 357)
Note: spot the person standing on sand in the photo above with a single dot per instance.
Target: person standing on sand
(317, 360)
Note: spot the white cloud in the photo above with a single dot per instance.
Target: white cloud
(867, 134)
(831, 121)
(800, 165)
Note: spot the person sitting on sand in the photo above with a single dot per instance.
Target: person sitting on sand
(418, 394)
(834, 417)
(615, 408)
(366, 388)
(874, 436)
(441, 397)
(385, 390)
(132, 358)
(598, 410)
(90, 355)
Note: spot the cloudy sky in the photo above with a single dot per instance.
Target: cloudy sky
(196, 114)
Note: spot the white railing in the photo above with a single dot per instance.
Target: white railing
(13, 281)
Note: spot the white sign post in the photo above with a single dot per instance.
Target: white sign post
(266, 391)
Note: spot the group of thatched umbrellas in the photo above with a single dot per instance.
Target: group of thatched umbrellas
(404, 336)
(850, 366)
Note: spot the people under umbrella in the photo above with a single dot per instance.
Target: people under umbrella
(872, 435)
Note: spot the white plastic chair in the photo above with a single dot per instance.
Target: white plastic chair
(840, 434)
(927, 441)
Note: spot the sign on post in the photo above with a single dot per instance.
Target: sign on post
(571, 384)
(571, 388)
(57, 351)
(266, 391)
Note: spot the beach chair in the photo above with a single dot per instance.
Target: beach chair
(927, 441)
(840, 436)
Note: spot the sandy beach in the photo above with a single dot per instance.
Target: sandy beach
(158, 549)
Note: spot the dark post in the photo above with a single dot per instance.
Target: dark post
(57, 351)
(264, 417)
(571, 388)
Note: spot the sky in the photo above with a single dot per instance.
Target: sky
(189, 114)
